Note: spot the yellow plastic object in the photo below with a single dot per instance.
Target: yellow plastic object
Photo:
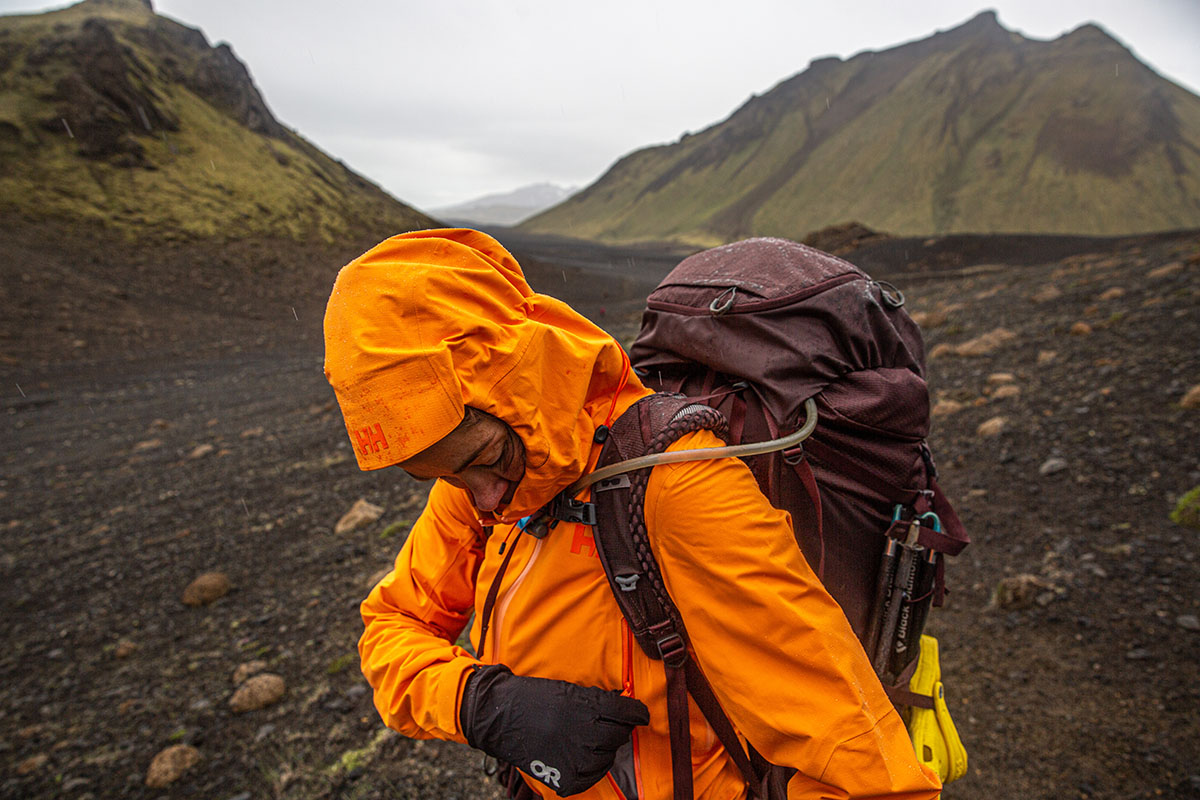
(933, 733)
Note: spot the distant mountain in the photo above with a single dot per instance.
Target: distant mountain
(973, 129)
(506, 208)
(111, 113)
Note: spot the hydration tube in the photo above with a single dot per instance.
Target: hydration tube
(703, 454)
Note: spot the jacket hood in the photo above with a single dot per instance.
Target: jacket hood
(428, 322)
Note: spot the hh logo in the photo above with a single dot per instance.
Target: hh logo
(582, 542)
(371, 439)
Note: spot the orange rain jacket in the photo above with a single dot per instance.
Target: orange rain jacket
(428, 322)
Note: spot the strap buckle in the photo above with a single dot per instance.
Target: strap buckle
(567, 509)
(671, 649)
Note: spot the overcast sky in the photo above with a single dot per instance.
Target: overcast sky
(441, 101)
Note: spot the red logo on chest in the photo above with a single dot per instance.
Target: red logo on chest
(581, 539)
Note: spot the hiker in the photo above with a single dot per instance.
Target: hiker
(447, 365)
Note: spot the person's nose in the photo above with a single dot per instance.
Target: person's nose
(487, 490)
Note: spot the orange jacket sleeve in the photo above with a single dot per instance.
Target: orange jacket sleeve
(416, 613)
(779, 653)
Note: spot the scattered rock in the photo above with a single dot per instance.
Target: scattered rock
(1019, 591)
(1113, 293)
(1000, 377)
(202, 450)
(1052, 465)
(1046, 294)
(930, 319)
(32, 764)
(263, 732)
(1138, 654)
(1166, 270)
(945, 408)
(1006, 391)
(1192, 398)
(258, 692)
(125, 649)
(149, 444)
(992, 427)
(360, 514)
(170, 764)
(985, 344)
(1046, 356)
(206, 588)
(252, 433)
(245, 671)
(159, 425)
(1189, 622)
(942, 349)
(1080, 328)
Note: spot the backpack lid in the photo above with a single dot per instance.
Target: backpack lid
(788, 318)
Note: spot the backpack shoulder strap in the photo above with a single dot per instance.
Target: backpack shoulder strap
(623, 545)
(649, 426)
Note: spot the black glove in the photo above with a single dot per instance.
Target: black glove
(565, 735)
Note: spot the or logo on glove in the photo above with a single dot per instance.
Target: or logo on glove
(532, 722)
(548, 775)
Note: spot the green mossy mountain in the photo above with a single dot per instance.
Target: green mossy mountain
(975, 129)
(112, 114)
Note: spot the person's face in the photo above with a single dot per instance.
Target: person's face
(482, 455)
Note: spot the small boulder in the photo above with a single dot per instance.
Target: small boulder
(125, 649)
(252, 433)
(986, 343)
(1000, 377)
(148, 444)
(944, 408)
(1052, 465)
(206, 588)
(258, 692)
(1080, 328)
(202, 450)
(1166, 270)
(1113, 293)
(1019, 591)
(360, 514)
(1045, 357)
(1006, 391)
(1192, 398)
(941, 349)
(930, 319)
(1189, 622)
(32, 764)
(170, 764)
(247, 670)
(992, 427)
(1046, 294)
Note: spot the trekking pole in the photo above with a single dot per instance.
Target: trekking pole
(899, 593)
(883, 588)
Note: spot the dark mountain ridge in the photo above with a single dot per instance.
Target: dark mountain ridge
(974, 129)
(114, 114)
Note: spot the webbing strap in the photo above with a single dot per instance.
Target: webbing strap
(679, 728)
(493, 590)
(708, 704)
(904, 697)
(805, 474)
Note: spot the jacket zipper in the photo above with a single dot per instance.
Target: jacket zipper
(506, 598)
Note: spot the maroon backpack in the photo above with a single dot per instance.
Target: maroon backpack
(753, 330)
